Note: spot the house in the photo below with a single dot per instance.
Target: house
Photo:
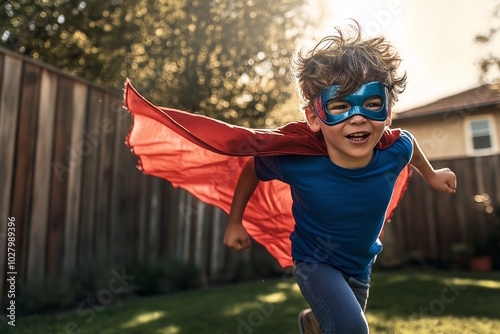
(466, 124)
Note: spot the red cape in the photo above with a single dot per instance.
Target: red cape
(205, 156)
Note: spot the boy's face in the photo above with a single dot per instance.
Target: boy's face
(350, 142)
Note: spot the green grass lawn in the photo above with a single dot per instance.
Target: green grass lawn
(400, 302)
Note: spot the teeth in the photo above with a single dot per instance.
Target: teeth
(358, 136)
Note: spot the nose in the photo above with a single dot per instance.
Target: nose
(357, 119)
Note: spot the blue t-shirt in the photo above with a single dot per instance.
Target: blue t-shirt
(339, 212)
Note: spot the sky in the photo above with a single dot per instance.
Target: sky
(434, 38)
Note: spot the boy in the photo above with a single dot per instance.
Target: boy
(339, 201)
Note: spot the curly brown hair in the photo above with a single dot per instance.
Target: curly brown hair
(348, 61)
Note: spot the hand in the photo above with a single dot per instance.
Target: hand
(236, 237)
(444, 180)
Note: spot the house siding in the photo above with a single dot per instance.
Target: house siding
(443, 136)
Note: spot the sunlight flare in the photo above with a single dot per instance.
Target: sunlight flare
(144, 318)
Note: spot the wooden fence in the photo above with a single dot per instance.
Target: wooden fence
(428, 223)
(71, 184)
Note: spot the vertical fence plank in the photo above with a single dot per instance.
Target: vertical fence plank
(120, 192)
(205, 237)
(466, 186)
(186, 208)
(133, 217)
(61, 169)
(218, 252)
(25, 151)
(192, 230)
(459, 198)
(2, 259)
(143, 218)
(103, 212)
(170, 216)
(78, 150)
(496, 173)
(154, 221)
(41, 184)
(199, 234)
(93, 139)
(9, 109)
(479, 188)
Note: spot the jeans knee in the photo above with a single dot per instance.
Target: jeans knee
(351, 325)
(358, 325)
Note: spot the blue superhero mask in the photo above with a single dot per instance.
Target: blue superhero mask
(355, 100)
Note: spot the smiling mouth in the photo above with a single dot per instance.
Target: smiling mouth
(358, 136)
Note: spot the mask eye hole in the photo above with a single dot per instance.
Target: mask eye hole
(373, 103)
(337, 107)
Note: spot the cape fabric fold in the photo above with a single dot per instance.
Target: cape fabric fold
(205, 156)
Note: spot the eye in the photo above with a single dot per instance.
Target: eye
(373, 103)
(337, 107)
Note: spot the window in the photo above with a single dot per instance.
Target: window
(481, 137)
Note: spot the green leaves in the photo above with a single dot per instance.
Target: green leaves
(228, 60)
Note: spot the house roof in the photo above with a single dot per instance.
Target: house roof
(470, 100)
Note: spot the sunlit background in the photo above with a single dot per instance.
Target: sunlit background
(237, 53)
(436, 40)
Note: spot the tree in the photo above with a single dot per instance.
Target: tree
(226, 59)
(490, 65)
(88, 38)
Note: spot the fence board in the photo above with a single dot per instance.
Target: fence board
(480, 188)
(217, 253)
(61, 168)
(120, 189)
(77, 152)
(496, 178)
(2, 259)
(142, 233)
(25, 150)
(459, 198)
(104, 175)
(9, 104)
(154, 221)
(132, 199)
(186, 211)
(93, 138)
(170, 215)
(200, 232)
(41, 187)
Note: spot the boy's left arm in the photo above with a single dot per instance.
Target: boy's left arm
(440, 179)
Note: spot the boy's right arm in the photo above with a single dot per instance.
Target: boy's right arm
(236, 237)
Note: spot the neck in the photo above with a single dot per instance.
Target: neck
(349, 162)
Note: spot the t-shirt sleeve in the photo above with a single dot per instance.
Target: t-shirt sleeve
(406, 139)
(268, 168)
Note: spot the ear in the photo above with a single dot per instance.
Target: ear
(388, 120)
(313, 120)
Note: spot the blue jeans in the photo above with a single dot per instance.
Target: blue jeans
(337, 301)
